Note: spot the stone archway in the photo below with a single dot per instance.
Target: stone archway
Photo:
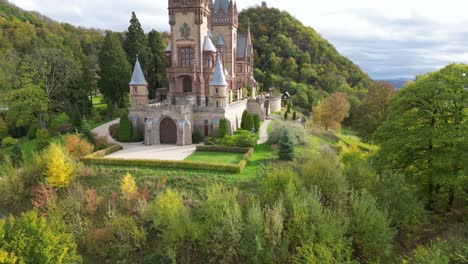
(168, 131)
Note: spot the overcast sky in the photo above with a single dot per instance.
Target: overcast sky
(386, 38)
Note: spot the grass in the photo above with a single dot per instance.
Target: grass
(351, 140)
(215, 157)
(97, 103)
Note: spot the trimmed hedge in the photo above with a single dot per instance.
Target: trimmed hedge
(96, 158)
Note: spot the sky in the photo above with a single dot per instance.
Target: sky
(386, 38)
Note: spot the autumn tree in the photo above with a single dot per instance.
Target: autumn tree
(128, 187)
(114, 70)
(59, 166)
(425, 135)
(332, 111)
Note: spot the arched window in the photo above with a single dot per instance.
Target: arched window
(187, 83)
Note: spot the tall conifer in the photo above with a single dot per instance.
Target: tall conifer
(157, 69)
(137, 43)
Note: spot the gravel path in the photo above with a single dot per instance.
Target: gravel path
(263, 132)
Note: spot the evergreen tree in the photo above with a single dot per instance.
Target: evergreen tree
(286, 146)
(137, 43)
(223, 128)
(286, 115)
(289, 108)
(247, 121)
(157, 68)
(17, 155)
(125, 129)
(294, 116)
(256, 120)
(115, 71)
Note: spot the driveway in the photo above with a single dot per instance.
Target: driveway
(138, 151)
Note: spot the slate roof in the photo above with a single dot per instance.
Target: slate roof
(220, 41)
(221, 5)
(218, 77)
(138, 78)
(208, 44)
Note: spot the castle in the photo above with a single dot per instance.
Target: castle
(209, 67)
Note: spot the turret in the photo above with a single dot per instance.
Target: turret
(209, 53)
(138, 86)
(218, 87)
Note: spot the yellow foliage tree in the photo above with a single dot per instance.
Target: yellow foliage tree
(78, 147)
(59, 166)
(128, 187)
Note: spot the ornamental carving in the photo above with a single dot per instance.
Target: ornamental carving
(185, 31)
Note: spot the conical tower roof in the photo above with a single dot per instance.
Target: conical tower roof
(138, 78)
(208, 44)
(219, 79)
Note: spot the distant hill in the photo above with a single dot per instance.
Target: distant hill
(296, 56)
(398, 82)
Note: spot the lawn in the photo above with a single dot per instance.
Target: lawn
(215, 157)
(97, 103)
(106, 179)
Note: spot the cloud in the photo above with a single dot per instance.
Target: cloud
(387, 38)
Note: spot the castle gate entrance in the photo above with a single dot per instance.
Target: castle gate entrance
(168, 131)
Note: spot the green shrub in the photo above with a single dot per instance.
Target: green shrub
(256, 120)
(125, 128)
(245, 139)
(286, 115)
(294, 116)
(296, 131)
(16, 155)
(196, 136)
(85, 130)
(9, 141)
(223, 149)
(286, 146)
(247, 121)
(42, 136)
(32, 131)
(59, 120)
(114, 131)
(3, 129)
(223, 128)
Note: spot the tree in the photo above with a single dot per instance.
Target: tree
(331, 112)
(373, 111)
(425, 135)
(3, 129)
(128, 187)
(223, 128)
(32, 239)
(286, 146)
(256, 120)
(125, 128)
(27, 105)
(114, 70)
(59, 166)
(247, 121)
(294, 116)
(286, 115)
(137, 43)
(157, 68)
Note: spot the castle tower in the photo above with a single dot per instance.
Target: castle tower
(224, 24)
(219, 87)
(189, 21)
(138, 87)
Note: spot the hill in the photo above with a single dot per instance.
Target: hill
(296, 58)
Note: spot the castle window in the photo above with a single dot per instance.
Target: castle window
(186, 57)
(208, 60)
(217, 104)
(168, 59)
(187, 83)
(217, 91)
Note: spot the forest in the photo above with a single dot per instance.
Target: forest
(374, 175)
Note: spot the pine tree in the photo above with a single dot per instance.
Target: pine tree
(223, 128)
(286, 146)
(115, 71)
(289, 108)
(157, 67)
(125, 128)
(137, 43)
(294, 116)
(286, 115)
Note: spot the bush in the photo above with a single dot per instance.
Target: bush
(286, 116)
(85, 130)
(43, 137)
(78, 147)
(286, 146)
(294, 116)
(114, 131)
(296, 131)
(247, 121)
(3, 129)
(223, 128)
(245, 139)
(256, 120)
(59, 121)
(32, 131)
(59, 166)
(125, 128)
(196, 136)
(16, 155)
(101, 142)
(276, 182)
(9, 141)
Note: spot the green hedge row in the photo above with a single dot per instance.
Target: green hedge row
(223, 149)
(96, 158)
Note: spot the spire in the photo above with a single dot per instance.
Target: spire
(138, 78)
(218, 77)
(169, 47)
(249, 41)
(221, 5)
(208, 44)
(220, 41)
